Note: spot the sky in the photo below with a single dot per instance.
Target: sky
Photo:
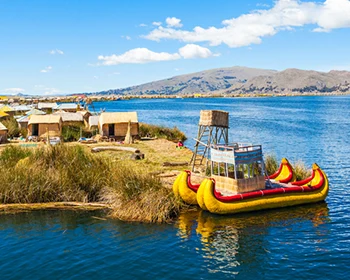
(74, 46)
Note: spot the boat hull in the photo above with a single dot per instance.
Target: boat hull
(214, 205)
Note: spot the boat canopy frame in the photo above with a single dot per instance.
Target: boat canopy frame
(238, 155)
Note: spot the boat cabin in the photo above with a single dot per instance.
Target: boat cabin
(237, 168)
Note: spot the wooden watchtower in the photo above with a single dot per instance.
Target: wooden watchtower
(212, 129)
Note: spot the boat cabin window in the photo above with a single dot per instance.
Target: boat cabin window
(238, 161)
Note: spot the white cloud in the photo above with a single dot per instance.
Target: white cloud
(157, 23)
(126, 37)
(12, 90)
(95, 77)
(139, 56)
(264, 5)
(144, 55)
(173, 22)
(56, 51)
(194, 51)
(250, 28)
(51, 91)
(142, 25)
(46, 70)
(114, 74)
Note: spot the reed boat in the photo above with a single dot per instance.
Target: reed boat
(244, 187)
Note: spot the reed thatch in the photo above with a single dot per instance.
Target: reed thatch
(48, 125)
(214, 118)
(120, 121)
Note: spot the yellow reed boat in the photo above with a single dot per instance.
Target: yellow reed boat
(238, 183)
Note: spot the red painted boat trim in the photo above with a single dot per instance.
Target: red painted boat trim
(261, 193)
(305, 181)
(193, 187)
(274, 175)
(290, 176)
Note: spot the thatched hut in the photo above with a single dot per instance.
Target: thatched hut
(68, 107)
(3, 115)
(86, 115)
(8, 110)
(47, 107)
(71, 119)
(45, 125)
(3, 134)
(116, 124)
(93, 123)
(23, 121)
(22, 109)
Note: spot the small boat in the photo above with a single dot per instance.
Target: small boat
(234, 192)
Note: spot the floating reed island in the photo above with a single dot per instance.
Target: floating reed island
(69, 176)
(131, 176)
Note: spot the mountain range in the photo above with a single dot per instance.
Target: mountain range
(243, 80)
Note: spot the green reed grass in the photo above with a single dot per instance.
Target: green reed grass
(71, 173)
(300, 170)
(171, 134)
(271, 164)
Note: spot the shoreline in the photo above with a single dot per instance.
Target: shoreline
(115, 97)
(129, 190)
(14, 208)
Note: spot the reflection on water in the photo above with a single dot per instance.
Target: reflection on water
(228, 242)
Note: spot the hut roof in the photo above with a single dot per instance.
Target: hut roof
(7, 108)
(59, 112)
(2, 127)
(118, 117)
(66, 106)
(44, 119)
(84, 112)
(93, 121)
(34, 111)
(47, 105)
(70, 117)
(23, 119)
(22, 108)
(3, 114)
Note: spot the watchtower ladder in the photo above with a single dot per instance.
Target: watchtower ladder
(212, 129)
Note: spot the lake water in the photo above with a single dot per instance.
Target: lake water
(303, 242)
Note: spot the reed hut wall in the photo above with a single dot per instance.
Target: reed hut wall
(46, 129)
(120, 129)
(3, 133)
(23, 125)
(3, 136)
(73, 123)
(48, 125)
(214, 118)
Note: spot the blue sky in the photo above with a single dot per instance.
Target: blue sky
(56, 47)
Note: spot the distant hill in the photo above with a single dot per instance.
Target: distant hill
(200, 82)
(296, 81)
(238, 80)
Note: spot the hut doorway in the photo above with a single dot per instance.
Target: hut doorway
(35, 129)
(111, 129)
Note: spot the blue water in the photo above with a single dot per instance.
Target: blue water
(303, 242)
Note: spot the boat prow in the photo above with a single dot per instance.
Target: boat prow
(284, 174)
(184, 189)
